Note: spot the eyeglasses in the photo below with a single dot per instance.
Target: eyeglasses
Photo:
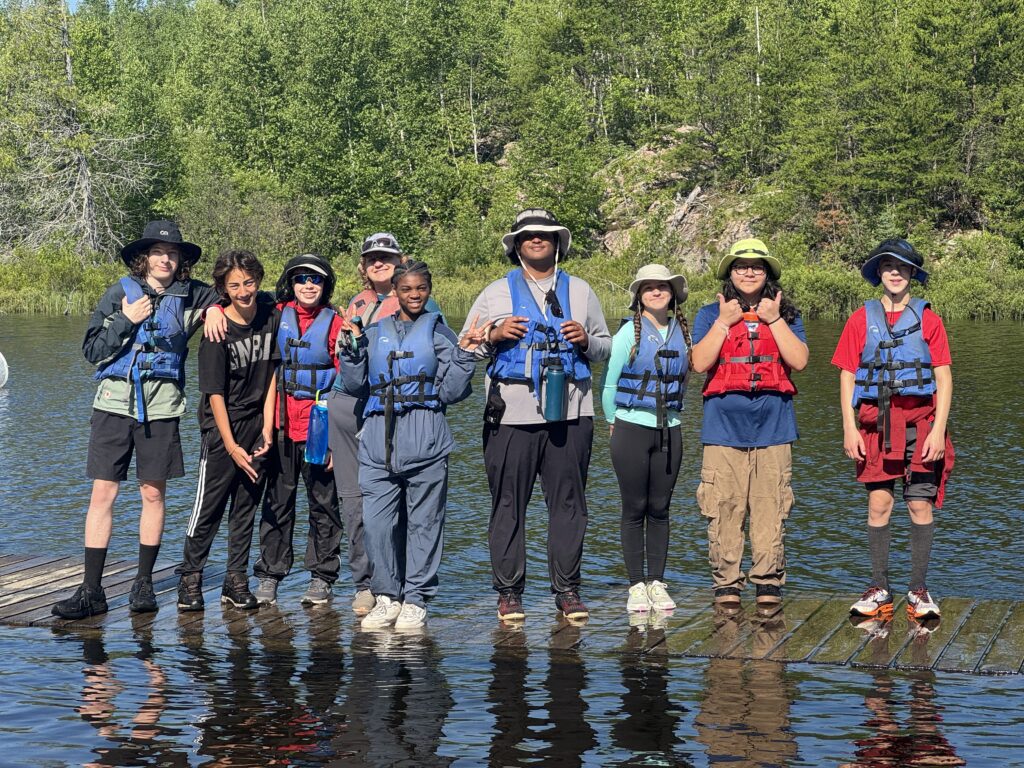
(750, 269)
(304, 279)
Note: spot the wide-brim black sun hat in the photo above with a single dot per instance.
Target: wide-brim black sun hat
(536, 220)
(900, 250)
(161, 231)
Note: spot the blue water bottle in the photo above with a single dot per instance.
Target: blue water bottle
(554, 390)
(316, 437)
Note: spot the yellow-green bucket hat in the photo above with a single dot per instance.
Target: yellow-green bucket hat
(751, 248)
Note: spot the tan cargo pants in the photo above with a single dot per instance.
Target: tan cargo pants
(735, 483)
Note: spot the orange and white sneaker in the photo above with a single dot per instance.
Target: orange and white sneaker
(875, 602)
(921, 606)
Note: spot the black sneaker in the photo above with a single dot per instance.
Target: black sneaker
(510, 606)
(142, 599)
(85, 602)
(236, 591)
(768, 594)
(190, 592)
(570, 605)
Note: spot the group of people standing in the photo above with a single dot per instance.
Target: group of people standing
(283, 376)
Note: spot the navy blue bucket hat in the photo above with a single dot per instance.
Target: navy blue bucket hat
(900, 250)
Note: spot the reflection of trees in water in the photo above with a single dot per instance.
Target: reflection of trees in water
(744, 715)
(133, 738)
(648, 720)
(396, 703)
(916, 742)
(562, 735)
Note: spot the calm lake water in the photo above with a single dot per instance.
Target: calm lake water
(157, 699)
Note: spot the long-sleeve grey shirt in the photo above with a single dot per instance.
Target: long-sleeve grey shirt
(521, 406)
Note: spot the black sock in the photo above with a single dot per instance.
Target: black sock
(147, 558)
(878, 543)
(920, 553)
(95, 557)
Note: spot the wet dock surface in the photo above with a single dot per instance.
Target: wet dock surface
(973, 636)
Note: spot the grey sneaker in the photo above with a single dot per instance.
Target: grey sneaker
(363, 602)
(317, 593)
(266, 591)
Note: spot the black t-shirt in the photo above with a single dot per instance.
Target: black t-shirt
(240, 367)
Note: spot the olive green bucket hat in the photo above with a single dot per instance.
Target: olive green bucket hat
(751, 248)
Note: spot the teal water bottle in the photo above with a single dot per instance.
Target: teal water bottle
(554, 390)
(316, 437)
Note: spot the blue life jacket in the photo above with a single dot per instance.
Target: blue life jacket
(402, 372)
(524, 360)
(895, 360)
(157, 350)
(657, 376)
(306, 365)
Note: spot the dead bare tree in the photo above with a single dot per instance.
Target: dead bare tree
(71, 179)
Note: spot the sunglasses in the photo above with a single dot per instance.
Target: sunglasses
(305, 279)
(552, 301)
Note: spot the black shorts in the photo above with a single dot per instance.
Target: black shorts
(113, 439)
(920, 486)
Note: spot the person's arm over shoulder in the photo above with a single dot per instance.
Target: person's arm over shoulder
(454, 366)
(109, 330)
(622, 345)
(599, 339)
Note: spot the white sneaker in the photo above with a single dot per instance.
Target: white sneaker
(659, 597)
(638, 599)
(412, 616)
(921, 606)
(874, 603)
(383, 614)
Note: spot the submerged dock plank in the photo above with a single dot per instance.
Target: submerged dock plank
(983, 637)
(965, 652)
(1006, 654)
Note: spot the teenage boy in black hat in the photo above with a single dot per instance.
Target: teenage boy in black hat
(545, 321)
(138, 340)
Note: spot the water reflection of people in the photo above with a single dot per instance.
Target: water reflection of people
(918, 741)
(744, 717)
(564, 735)
(127, 742)
(647, 723)
(397, 701)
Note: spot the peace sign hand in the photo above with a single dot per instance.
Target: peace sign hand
(474, 337)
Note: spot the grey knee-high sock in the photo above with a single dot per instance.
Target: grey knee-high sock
(920, 552)
(878, 543)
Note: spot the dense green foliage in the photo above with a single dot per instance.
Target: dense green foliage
(299, 125)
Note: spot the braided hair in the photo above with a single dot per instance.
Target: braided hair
(417, 268)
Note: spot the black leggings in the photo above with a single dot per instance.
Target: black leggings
(646, 476)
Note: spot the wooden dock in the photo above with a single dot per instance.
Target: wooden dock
(974, 636)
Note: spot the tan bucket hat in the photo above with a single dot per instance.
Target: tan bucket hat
(658, 273)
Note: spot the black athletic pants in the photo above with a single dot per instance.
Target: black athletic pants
(647, 476)
(221, 481)
(277, 523)
(514, 455)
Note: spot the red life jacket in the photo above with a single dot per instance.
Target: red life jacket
(749, 362)
(365, 305)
